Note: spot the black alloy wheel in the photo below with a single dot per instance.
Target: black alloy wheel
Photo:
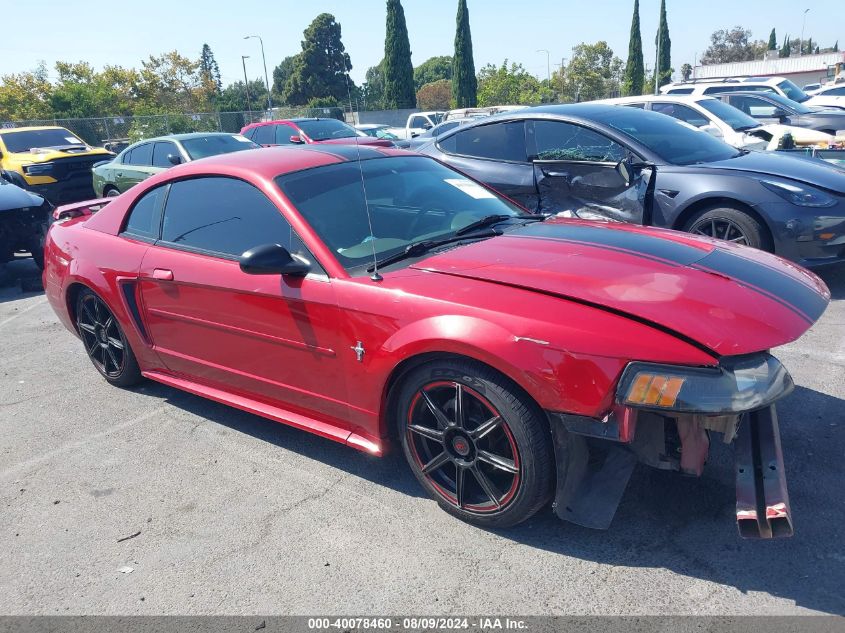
(104, 341)
(476, 444)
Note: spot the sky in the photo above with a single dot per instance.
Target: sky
(124, 33)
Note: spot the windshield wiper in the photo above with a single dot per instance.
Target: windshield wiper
(419, 248)
(490, 220)
(745, 128)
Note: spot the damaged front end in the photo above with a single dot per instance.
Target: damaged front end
(664, 417)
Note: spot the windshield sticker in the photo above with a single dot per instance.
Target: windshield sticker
(73, 140)
(242, 139)
(470, 188)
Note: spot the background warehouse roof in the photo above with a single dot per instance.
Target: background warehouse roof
(786, 66)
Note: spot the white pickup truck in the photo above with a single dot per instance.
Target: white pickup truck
(417, 123)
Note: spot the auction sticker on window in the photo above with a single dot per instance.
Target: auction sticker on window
(470, 188)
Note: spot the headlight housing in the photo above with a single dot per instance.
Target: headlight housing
(799, 195)
(737, 385)
(38, 169)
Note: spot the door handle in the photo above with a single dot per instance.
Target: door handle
(162, 274)
(120, 175)
(555, 174)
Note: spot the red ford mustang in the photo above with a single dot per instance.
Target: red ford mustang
(365, 294)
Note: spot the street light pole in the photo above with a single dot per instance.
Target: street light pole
(548, 65)
(801, 41)
(266, 78)
(246, 86)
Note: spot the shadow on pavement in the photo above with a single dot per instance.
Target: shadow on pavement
(19, 278)
(685, 525)
(834, 277)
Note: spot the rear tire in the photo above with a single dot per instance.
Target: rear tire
(104, 341)
(729, 224)
(488, 460)
(111, 192)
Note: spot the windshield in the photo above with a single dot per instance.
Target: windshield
(325, 129)
(734, 117)
(673, 141)
(436, 117)
(212, 145)
(792, 91)
(409, 198)
(30, 139)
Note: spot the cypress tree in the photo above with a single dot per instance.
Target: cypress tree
(773, 41)
(398, 70)
(784, 50)
(464, 82)
(632, 84)
(836, 47)
(664, 62)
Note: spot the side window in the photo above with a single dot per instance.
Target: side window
(144, 216)
(142, 155)
(264, 135)
(835, 92)
(223, 216)
(639, 106)
(127, 158)
(753, 106)
(419, 121)
(249, 133)
(160, 153)
(715, 89)
(681, 112)
(445, 127)
(556, 140)
(496, 141)
(283, 134)
(680, 91)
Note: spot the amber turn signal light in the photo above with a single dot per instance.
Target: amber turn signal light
(655, 389)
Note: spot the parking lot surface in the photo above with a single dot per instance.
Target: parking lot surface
(231, 514)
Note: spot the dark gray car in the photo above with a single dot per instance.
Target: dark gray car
(24, 217)
(768, 107)
(628, 165)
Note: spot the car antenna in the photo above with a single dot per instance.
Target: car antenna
(375, 276)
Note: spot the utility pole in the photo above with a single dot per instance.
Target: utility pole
(266, 78)
(548, 65)
(246, 86)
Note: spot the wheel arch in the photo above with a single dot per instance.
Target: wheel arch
(717, 201)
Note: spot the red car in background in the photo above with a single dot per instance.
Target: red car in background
(307, 131)
(517, 359)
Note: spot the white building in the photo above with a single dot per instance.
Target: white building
(802, 70)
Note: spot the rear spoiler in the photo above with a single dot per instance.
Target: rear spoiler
(78, 209)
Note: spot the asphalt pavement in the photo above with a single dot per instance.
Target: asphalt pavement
(154, 501)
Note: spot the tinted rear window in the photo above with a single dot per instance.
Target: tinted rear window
(212, 145)
(325, 129)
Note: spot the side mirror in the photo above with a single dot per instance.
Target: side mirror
(296, 139)
(174, 160)
(779, 113)
(712, 130)
(273, 259)
(623, 168)
(427, 126)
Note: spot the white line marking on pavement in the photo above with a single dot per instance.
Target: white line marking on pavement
(24, 311)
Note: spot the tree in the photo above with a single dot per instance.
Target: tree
(464, 81)
(836, 46)
(773, 41)
(734, 45)
(686, 72)
(508, 85)
(210, 72)
(233, 97)
(80, 91)
(786, 49)
(372, 92)
(25, 95)
(433, 69)
(281, 74)
(322, 68)
(171, 83)
(664, 49)
(436, 95)
(634, 69)
(594, 72)
(398, 70)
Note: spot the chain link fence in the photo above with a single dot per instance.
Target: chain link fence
(115, 132)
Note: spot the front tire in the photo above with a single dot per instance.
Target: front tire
(111, 192)
(478, 445)
(729, 224)
(104, 341)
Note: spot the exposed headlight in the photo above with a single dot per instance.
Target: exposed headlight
(739, 384)
(801, 196)
(38, 169)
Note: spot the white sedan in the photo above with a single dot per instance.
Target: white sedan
(828, 96)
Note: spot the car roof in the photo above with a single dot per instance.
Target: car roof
(660, 97)
(33, 128)
(183, 137)
(294, 120)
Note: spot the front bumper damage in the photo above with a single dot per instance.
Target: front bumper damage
(595, 460)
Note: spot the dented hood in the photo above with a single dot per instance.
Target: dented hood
(724, 297)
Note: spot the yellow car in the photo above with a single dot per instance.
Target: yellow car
(50, 161)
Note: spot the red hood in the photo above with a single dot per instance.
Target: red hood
(356, 140)
(727, 298)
